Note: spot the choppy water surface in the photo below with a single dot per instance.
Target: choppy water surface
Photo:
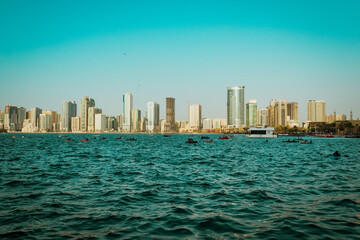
(159, 187)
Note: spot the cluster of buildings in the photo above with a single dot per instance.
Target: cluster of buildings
(92, 119)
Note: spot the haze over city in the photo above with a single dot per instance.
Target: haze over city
(55, 52)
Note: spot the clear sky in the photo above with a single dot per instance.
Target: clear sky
(51, 51)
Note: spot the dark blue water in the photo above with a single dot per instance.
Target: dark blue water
(159, 187)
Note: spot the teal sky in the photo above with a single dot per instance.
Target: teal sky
(51, 51)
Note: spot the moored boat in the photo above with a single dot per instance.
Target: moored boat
(261, 133)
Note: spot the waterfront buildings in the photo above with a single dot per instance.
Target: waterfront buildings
(119, 119)
(91, 117)
(86, 103)
(262, 116)
(111, 123)
(195, 116)
(34, 116)
(207, 123)
(100, 122)
(153, 116)
(127, 107)
(135, 118)
(251, 113)
(316, 111)
(69, 110)
(277, 113)
(170, 115)
(75, 124)
(236, 106)
(45, 122)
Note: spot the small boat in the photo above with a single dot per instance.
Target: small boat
(209, 141)
(224, 137)
(102, 138)
(84, 140)
(190, 140)
(205, 137)
(131, 139)
(118, 138)
(13, 137)
(167, 135)
(68, 139)
(304, 142)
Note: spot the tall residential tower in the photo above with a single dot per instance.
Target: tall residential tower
(236, 106)
(127, 107)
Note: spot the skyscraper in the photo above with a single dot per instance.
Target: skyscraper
(170, 114)
(69, 110)
(135, 117)
(236, 106)
(277, 113)
(195, 116)
(316, 111)
(292, 111)
(34, 115)
(127, 107)
(153, 116)
(45, 122)
(91, 117)
(251, 113)
(262, 116)
(86, 102)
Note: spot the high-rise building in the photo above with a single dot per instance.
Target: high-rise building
(91, 117)
(316, 111)
(135, 117)
(153, 116)
(111, 123)
(75, 124)
(34, 116)
(236, 106)
(292, 111)
(100, 122)
(21, 116)
(11, 118)
(207, 123)
(262, 116)
(277, 113)
(86, 102)
(127, 107)
(195, 116)
(143, 124)
(251, 113)
(69, 110)
(45, 122)
(120, 121)
(170, 114)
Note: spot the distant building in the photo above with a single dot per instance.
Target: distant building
(335, 117)
(316, 111)
(127, 107)
(86, 103)
(262, 116)
(119, 119)
(34, 115)
(100, 122)
(292, 111)
(69, 110)
(143, 124)
(111, 123)
(219, 123)
(277, 113)
(251, 113)
(207, 123)
(195, 116)
(153, 116)
(135, 117)
(91, 117)
(236, 106)
(75, 124)
(170, 114)
(45, 122)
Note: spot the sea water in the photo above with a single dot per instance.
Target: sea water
(161, 187)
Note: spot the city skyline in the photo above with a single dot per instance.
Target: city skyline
(287, 51)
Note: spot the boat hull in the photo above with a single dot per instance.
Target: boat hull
(261, 136)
